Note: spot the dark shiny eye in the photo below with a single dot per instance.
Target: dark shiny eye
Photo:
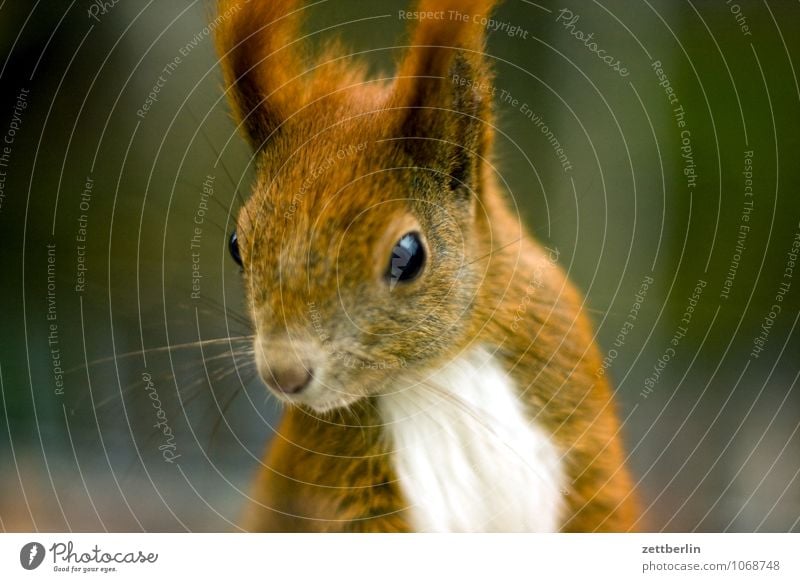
(233, 248)
(408, 259)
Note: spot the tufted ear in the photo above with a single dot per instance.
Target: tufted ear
(262, 62)
(443, 91)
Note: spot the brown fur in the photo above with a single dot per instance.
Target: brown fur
(312, 247)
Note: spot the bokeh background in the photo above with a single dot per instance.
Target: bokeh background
(713, 442)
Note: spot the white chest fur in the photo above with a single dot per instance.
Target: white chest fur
(467, 457)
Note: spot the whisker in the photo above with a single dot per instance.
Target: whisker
(227, 311)
(207, 219)
(192, 386)
(228, 210)
(198, 343)
(226, 405)
(216, 153)
(497, 250)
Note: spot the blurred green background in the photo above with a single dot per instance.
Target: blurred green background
(712, 435)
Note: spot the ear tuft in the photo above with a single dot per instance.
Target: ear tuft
(443, 90)
(262, 60)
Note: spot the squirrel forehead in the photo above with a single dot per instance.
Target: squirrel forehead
(320, 176)
(327, 193)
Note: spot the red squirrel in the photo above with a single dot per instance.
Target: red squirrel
(437, 369)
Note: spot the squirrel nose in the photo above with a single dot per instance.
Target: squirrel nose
(289, 378)
(285, 366)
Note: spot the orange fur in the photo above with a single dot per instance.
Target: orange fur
(310, 235)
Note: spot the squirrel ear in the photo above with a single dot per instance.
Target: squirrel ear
(261, 62)
(443, 91)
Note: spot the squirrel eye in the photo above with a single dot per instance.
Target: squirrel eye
(408, 259)
(233, 248)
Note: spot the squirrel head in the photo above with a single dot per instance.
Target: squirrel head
(360, 242)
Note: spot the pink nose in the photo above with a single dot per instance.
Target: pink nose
(287, 378)
(285, 365)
